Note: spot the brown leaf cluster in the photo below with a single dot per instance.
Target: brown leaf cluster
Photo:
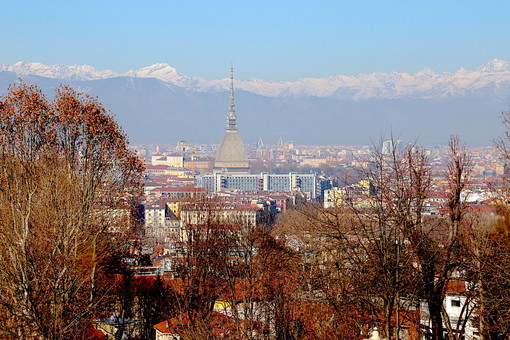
(67, 180)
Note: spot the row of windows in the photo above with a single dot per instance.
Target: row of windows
(272, 182)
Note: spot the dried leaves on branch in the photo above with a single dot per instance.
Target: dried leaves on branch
(67, 178)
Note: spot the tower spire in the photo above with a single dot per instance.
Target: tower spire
(231, 155)
(231, 117)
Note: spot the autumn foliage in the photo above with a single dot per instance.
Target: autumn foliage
(67, 184)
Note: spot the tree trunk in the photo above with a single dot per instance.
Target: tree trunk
(436, 319)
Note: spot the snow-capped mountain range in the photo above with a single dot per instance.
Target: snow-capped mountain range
(491, 78)
(157, 104)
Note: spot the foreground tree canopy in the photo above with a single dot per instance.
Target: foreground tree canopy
(67, 184)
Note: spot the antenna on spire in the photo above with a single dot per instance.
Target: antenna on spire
(232, 107)
(231, 117)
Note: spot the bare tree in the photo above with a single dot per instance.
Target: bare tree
(376, 253)
(488, 243)
(358, 258)
(207, 244)
(439, 256)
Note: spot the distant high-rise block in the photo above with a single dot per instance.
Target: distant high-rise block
(305, 183)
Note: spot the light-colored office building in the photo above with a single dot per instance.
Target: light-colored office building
(220, 181)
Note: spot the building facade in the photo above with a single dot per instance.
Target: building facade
(220, 181)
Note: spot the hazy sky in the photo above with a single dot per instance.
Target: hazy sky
(279, 40)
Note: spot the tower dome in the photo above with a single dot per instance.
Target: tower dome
(231, 155)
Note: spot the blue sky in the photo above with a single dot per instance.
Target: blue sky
(278, 40)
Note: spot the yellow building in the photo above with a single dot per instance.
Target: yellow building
(174, 207)
(357, 194)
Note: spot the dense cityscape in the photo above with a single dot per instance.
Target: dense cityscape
(233, 190)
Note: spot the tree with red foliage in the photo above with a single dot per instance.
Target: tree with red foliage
(67, 184)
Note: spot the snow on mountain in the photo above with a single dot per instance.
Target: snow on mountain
(425, 84)
(495, 65)
(72, 72)
(151, 110)
(160, 71)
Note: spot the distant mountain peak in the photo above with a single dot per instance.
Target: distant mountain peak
(495, 65)
(160, 66)
(161, 71)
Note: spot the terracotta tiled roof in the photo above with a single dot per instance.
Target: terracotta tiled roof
(179, 189)
(92, 333)
(456, 287)
(219, 324)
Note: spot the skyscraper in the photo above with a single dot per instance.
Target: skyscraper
(231, 155)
